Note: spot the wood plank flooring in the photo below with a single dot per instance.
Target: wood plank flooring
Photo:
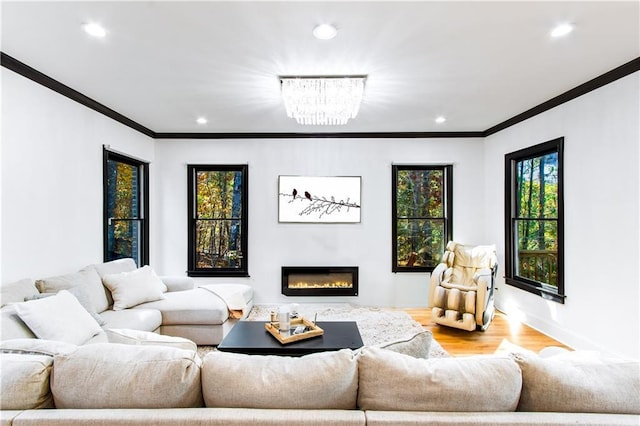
(459, 342)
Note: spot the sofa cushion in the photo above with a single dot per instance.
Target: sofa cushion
(132, 288)
(178, 283)
(60, 317)
(88, 279)
(396, 382)
(327, 380)
(17, 291)
(417, 346)
(417, 418)
(196, 306)
(110, 375)
(571, 385)
(136, 319)
(115, 266)
(137, 337)
(36, 347)
(24, 381)
(188, 417)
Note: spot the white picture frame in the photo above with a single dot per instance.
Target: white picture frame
(319, 199)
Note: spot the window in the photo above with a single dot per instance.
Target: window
(534, 220)
(126, 201)
(422, 216)
(218, 220)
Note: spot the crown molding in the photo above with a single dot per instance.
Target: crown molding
(44, 80)
(311, 135)
(593, 84)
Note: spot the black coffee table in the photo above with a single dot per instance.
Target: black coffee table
(250, 337)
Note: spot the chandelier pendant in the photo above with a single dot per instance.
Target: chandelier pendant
(322, 100)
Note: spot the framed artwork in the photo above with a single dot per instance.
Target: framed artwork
(318, 199)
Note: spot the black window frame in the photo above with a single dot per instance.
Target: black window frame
(543, 290)
(192, 269)
(447, 169)
(143, 197)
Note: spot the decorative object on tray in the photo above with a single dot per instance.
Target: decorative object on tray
(300, 329)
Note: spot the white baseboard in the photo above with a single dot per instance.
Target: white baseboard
(562, 335)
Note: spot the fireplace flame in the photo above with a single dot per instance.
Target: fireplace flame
(331, 284)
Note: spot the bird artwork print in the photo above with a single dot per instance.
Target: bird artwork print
(323, 199)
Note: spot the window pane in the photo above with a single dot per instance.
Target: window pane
(122, 197)
(219, 194)
(420, 193)
(420, 242)
(535, 220)
(125, 231)
(124, 239)
(217, 209)
(537, 187)
(537, 251)
(218, 244)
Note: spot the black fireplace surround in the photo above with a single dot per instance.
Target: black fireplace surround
(320, 280)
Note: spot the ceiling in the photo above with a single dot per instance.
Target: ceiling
(163, 64)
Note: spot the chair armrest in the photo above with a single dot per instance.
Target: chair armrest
(178, 283)
(436, 279)
(483, 276)
(483, 279)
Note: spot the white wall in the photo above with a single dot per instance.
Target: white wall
(602, 256)
(272, 244)
(51, 204)
(52, 179)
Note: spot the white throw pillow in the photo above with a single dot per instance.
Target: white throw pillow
(129, 289)
(83, 297)
(60, 317)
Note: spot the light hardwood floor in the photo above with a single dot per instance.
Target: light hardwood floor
(459, 342)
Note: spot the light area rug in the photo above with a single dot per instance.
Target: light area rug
(376, 325)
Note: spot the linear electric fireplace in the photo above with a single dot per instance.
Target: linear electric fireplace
(320, 280)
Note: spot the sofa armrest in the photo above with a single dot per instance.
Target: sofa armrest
(178, 283)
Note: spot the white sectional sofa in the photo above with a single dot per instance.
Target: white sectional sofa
(121, 296)
(92, 384)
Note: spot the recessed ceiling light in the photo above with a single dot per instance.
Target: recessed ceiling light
(561, 30)
(93, 29)
(201, 120)
(440, 119)
(325, 32)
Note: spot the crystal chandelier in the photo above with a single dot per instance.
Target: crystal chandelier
(330, 100)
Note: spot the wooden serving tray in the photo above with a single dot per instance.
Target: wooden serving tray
(313, 331)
